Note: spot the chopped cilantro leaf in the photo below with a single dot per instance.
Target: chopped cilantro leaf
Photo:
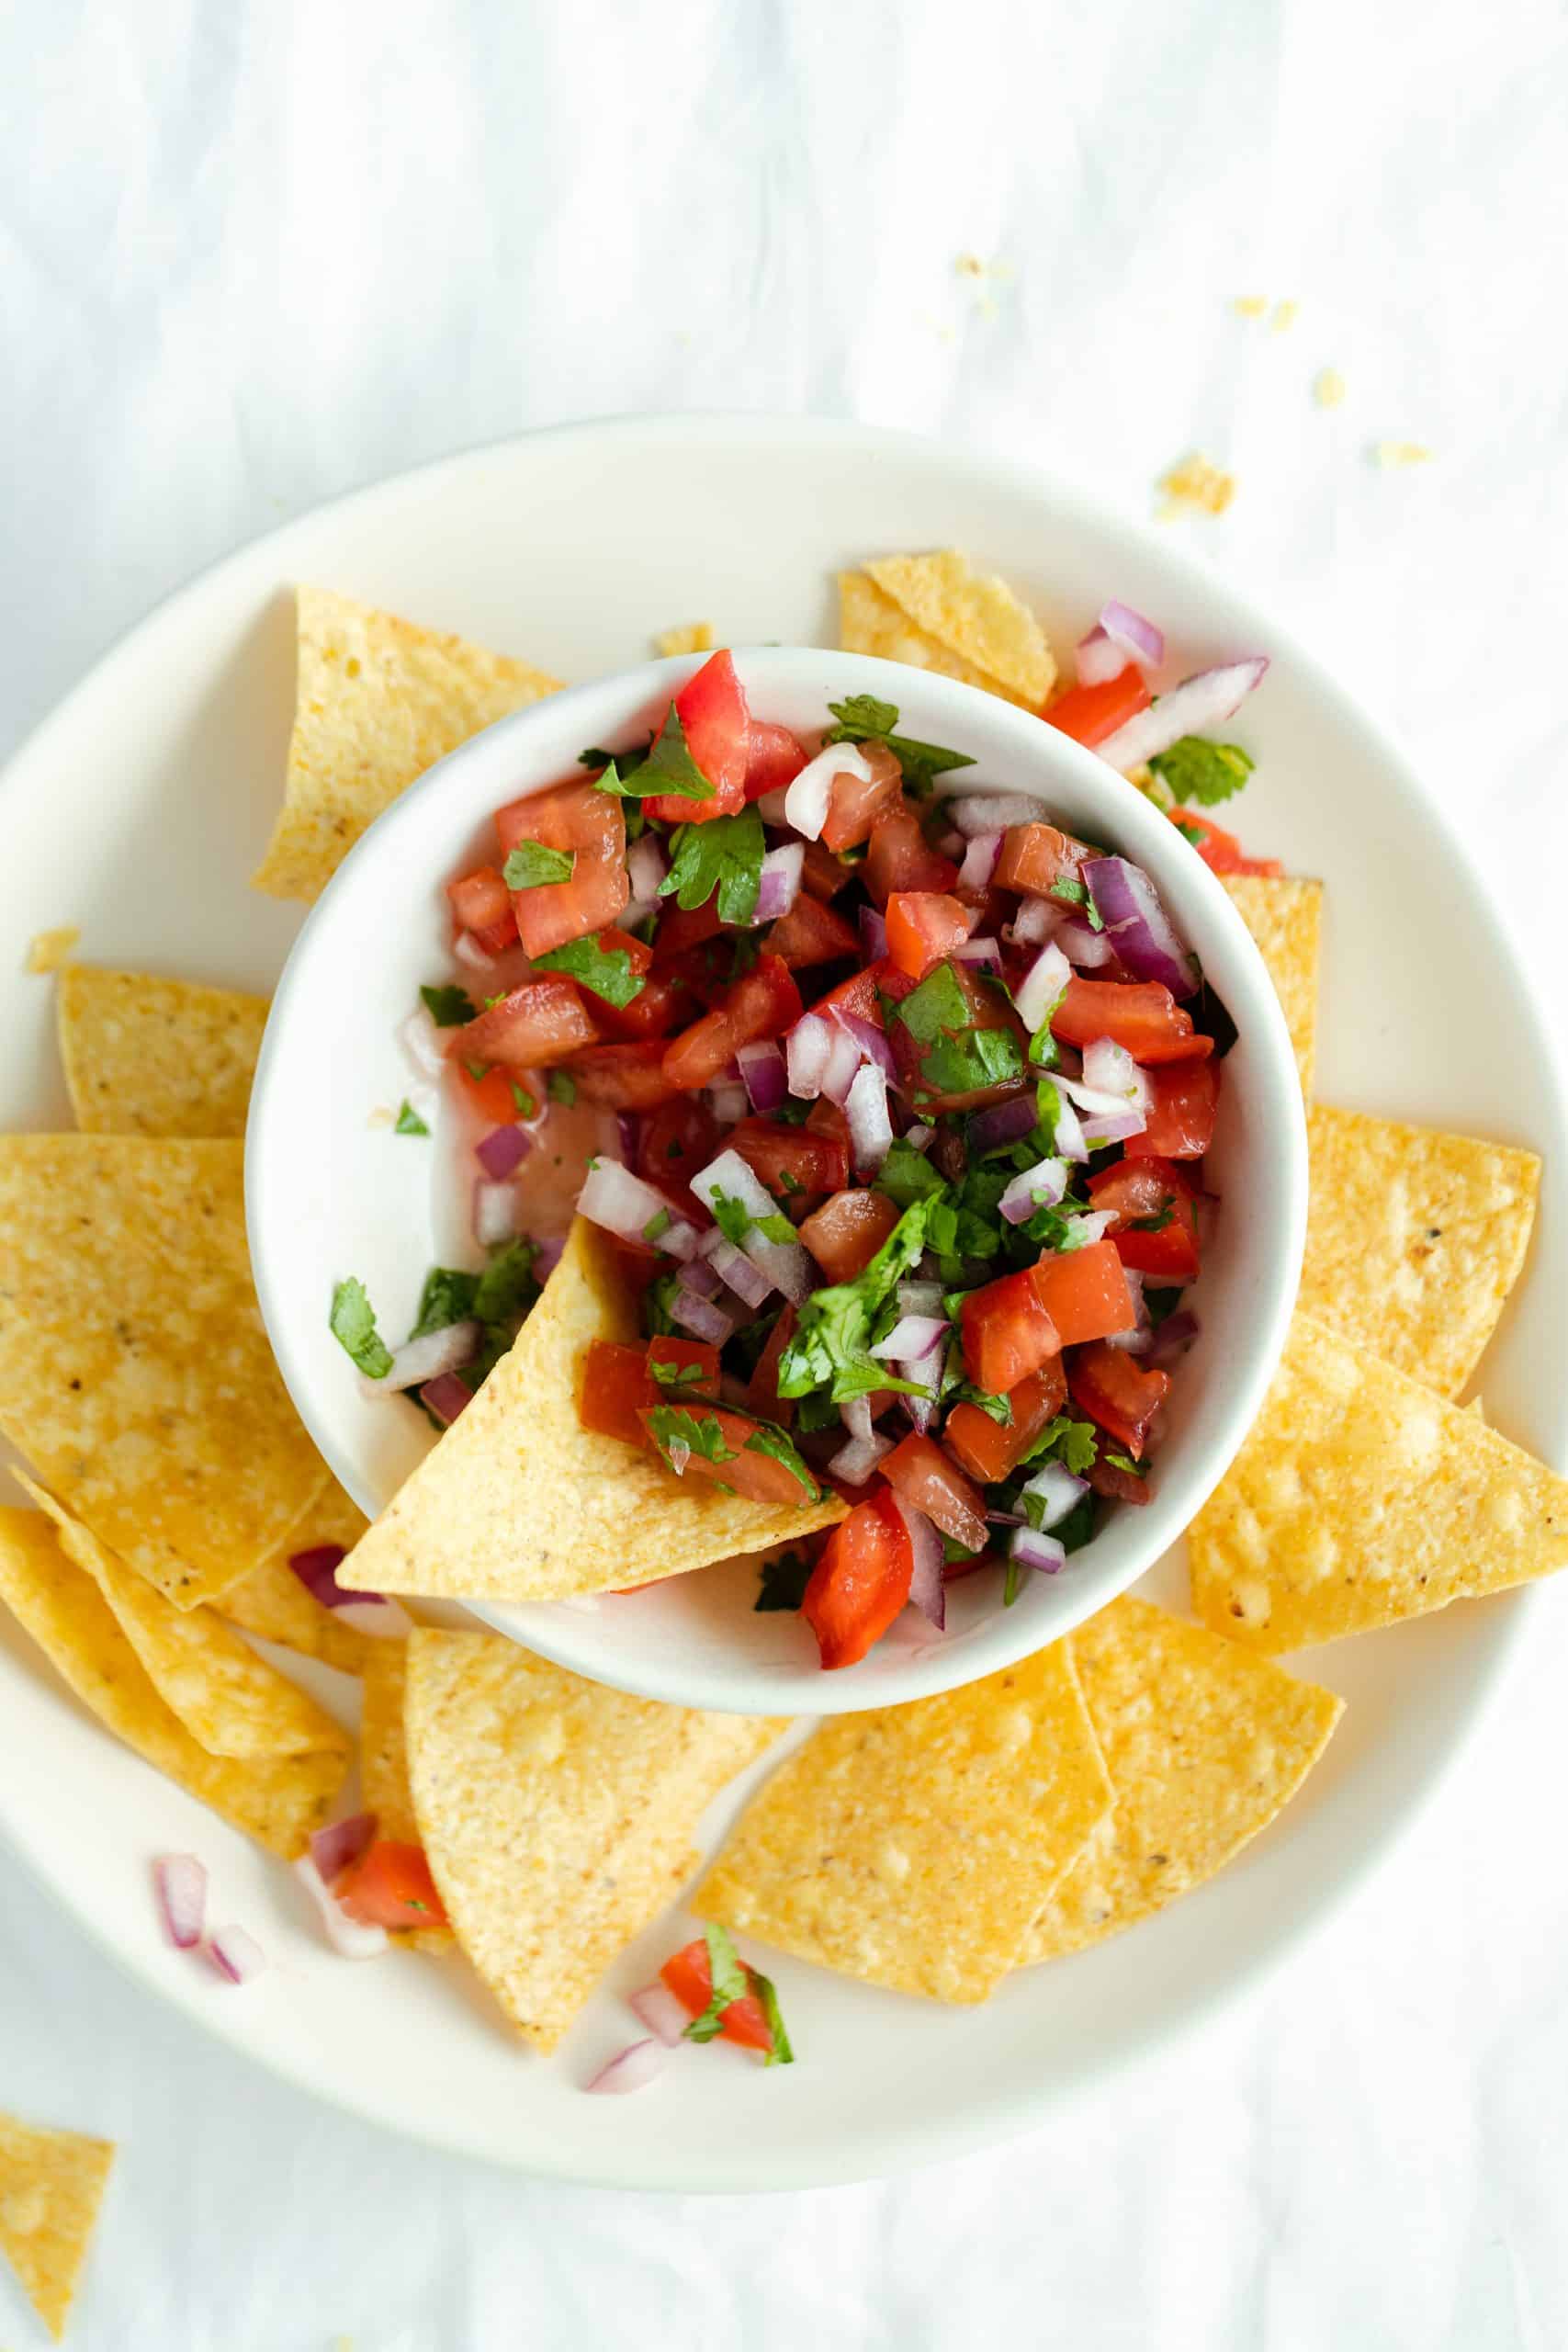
(1203, 772)
(658, 1224)
(561, 1088)
(735, 1221)
(1193, 833)
(781, 2054)
(449, 1007)
(353, 1325)
(607, 971)
(777, 1447)
(724, 855)
(507, 1288)
(830, 1346)
(907, 1176)
(626, 762)
(1074, 1532)
(783, 1582)
(952, 1550)
(672, 1425)
(526, 1105)
(532, 864)
(816, 1412)
(960, 1391)
(728, 1979)
(1161, 1302)
(938, 1004)
(1073, 1443)
(1012, 1582)
(979, 1057)
(657, 1301)
(863, 718)
(409, 1122)
(1122, 1462)
(667, 766)
(448, 1297)
(477, 1070)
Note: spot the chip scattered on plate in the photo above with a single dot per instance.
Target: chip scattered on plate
(384, 1766)
(1204, 1743)
(377, 700)
(1361, 1496)
(518, 1501)
(1414, 1239)
(135, 1375)
(1285, 915)
(52, 2184)
(913, 1845)
(145, 1055)
(557, 1815)
(270, 1601)
(934, 613)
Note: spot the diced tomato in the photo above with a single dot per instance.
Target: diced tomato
(760, 1477)
(820, 872)
(845, 1234)
(987, 1451)
(490, 1094)
(1219, 851)
(1089, 714)
(1037, 859)
(659, 1006)
(900, 858)
(763, 1003)
(855, 803)
(696, 1361)
(1118, 1394)
(482, 901)
(1118, 1485)
(1156, 1218)
(579, 817)
(921, 1472)
(677, 1139)
(542, 1020)
(985, 1007)
(711, 707)
(390, 1886)
(689, 1975)
(812, 933)
(1085, 1293)
(681, 928)
(1142, 1015)
(1008, 1332)
(773, 758)
(615, 1388)
(922, 927)
(1181, 1123)
(862, 1580)
(624, 1078)
(792, 1159)
(762, 1390)
(857, 995)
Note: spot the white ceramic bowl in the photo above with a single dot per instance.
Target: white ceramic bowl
(329, 1193)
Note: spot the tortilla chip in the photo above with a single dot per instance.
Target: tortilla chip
(557, 1815)
(973, 614)
(870, 622)
(278, 1800)
(150, 1057)
(518, 1501)
(384, 1769)
(1203, 1743)
(47, 950)
(228, 1698)
(1361, 1498)
(135, 1376)
(52, 2184)
(913, 1847)
(691, 637)
(271, 1603)
(1285, 915)
(1414, 1239)
(376, 701)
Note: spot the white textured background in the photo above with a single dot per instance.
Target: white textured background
(252, 253)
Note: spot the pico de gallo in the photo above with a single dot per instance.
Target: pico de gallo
(895, 1094)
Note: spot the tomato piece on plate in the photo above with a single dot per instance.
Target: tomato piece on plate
(763, 1003)
(480, 901)
(860, 1582)
(1008, 1332)
(990, 1452)
(1117, 1394)
(773, 758)
(690, 1365)
(390, 1886)
(762, 1390)
(615, 1388)
(1142, 1015)
(845, 1234)
(589, 824)
(540, 1021)
(711, 707)
(1037, 859)
(622, 1077)
(855, 803)
(922, 927)
(1156, 1218)
(1085, 1293)
(677, 1139)
(490, 1094)
(921, 1472)
(762, 1478)
(792, 1159)
(1181, 1123)
(1219, 851)
(689, 1975)
(1090, 714)
(812, 933)
(900, 858)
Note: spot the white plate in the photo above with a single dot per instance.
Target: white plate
(138, 810)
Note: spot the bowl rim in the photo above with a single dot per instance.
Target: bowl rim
(457, 784)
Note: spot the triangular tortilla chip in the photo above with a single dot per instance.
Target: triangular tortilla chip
(151, 1056)
(271, 1603)
(377, 700)
(230, 1699)
(973, 614)
(135, 1376)
(1414, 1239)
(52, 2184)
(278, 1800)
(557, 1815)
(1285, 915)
(1361, 1498)
(870, 622)
(1204, 1742)
(384, 1766)
(913, 1845)
(518, 1501)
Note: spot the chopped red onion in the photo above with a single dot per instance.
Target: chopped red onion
(984, 952)
(748, 1282)
(927, 1591)
(919, 1136)
(920, 1409)
(1136, 636)
(1042, 1185)
(315, 1569)
(1032, 1549)
(917, 1297)
(872, 934)
(1098, 658)
(702, 1316)
(179, 1881)
(856, 1415)
(785, 1264)
(871, 1041)
(611, 1196)
(1192, 709)
(1138, 923)
(502, 1151)
(236, 1954)
(807, 1050)
(631, 2069)
(332, 1849)
(496, 1213)
(806, 801)
(420, 1040)
(665, 2017)
(1066, 1134)
(1087, 948)
(628, 1135)
(417, 1361)
(1174, 1337)
(913, 1336)
(1007, 1121)
(980, 857)
(702, 1275)
(991, 812)
(778, 885)
(871, 1127)
(855, 1461)
(763, 1075)
(728, 1100)
(1110, 1126)
(1110, 1069)
(1037, 919)
(350, 1939)
(843, 1063)
(647, 866)
(1041, 986)
(1057, 1490)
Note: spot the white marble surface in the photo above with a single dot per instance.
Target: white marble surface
(251, 254)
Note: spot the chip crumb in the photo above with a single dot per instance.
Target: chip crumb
(969, 265)
(688, 636)
(47, 950)
(1251, 306)
(1328, 388)
(381, 1116)
(1391, 455)
(1195, 486)
(1285, 316)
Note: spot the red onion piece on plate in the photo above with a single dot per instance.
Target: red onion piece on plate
(1042, 984)
(1037, 919)
(871, 1127)
(806, 800)
(494, 1212)
(1007, 1121)
(647, 866)
(234, 1954)
(1098, 658)
(611, 1196)
(315, 1570)
(1137, 637)
(1058, 1491)
(467, 949)
(786, 1264)
(1087, 949)
(1110, 1069)
(1041, 1186)
(665, 2017)
(984, 952)
(912, 1337)
(858, 1457)
(871, 1040)
(350, 1939)
(808, 1049)
(179, 1881)
(703, 1317)
(749, 1284)
(502, 1151)
(631, 2069)
(1192, 709)
(993, 812)
(340, 1843)
(844, 1058)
